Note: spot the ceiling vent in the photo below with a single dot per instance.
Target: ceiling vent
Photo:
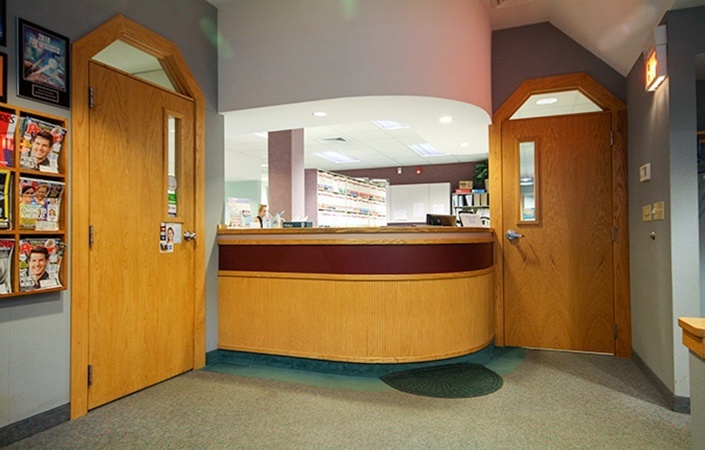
(335, 140)
(508, 3)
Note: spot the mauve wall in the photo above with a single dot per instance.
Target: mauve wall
(542, 50)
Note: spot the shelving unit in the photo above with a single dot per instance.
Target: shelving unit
(348, 202)
(474, 203)
(36, 221)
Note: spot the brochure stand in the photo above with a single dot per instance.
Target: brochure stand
(32, 202)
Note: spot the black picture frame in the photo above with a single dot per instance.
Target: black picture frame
(43, 64)
(3, 23)
(3, 77)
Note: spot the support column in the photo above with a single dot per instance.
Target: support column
(286, 173)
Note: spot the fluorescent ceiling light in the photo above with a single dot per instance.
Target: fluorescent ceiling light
(319, 113)
(464, 144)
(390, 124)
(425, 149)
(445, 119)
(546, 101)
(336, 157)
(263, 134)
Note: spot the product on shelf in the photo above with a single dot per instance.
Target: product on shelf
(5, 199)
(6, 249)
(40, 263)
(8, 124)
(40, 204)
(40, 144)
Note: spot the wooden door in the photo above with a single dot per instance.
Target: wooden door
(558, 277)
(141, 301)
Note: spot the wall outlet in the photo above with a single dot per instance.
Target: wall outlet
(646, 213)
(658, 211)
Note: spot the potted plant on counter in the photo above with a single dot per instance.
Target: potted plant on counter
(482, 173)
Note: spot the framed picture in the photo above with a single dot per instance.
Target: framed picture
(3, 22)
(43, 64)
(3, 78)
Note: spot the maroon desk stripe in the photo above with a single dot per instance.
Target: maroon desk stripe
(357, 259)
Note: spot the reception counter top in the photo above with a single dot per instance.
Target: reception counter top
(391, 294)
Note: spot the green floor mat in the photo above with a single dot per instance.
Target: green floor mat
(460, 380)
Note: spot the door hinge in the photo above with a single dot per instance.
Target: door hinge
(90, 236)
(90, 97)
(90, 375)
(614, 234)
(611, 134)
(615, 331)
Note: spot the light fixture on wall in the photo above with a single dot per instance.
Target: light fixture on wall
(655, 59)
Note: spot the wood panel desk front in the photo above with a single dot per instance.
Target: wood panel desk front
(376, 295)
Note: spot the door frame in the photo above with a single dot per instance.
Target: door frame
(620, 248)
(173, 63)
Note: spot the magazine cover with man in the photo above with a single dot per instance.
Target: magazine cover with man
(40, 144)
(39, 263)
(6, 248)
(8, 123)
(5, 199)
(40, 204)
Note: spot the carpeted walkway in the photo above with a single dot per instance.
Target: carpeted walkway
(551, 401)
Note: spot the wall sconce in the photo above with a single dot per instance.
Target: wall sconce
(655, 59)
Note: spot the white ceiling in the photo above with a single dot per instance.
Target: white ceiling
(614, 30)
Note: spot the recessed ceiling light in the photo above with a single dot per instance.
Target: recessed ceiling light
(425, 149)
(546, 101)
(336, 157)
(319, 113)
(390, 125)
(464, 144)
(445, 119)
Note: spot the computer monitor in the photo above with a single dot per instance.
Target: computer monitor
(441, 220)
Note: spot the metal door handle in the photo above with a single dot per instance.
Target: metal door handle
(511, 235)
(189, 235)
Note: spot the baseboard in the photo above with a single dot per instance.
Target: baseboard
(35, 424)
(677, 403)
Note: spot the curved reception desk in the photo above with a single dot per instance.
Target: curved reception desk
(367, 295)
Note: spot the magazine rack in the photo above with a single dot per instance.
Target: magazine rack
(32, 202)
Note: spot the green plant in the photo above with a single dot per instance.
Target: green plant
(482, 172)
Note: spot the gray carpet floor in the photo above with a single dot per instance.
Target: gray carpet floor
(550, 400)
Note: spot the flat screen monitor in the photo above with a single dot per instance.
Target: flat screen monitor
(441, 220)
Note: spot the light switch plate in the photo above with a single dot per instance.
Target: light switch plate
(645, 172)
(658, 213)
(646, 213)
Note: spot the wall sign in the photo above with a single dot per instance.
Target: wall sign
(43, 64)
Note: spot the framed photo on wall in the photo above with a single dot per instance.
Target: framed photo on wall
(43, 64)
(3, 78)
(3, 22)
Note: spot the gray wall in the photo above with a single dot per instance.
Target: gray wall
(665, 273)
(35, 330)
(542, 50)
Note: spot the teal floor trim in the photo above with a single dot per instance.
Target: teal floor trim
(348, 376)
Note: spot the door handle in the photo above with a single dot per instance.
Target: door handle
(511, 235)
(189, 235)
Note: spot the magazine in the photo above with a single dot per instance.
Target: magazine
(6, 248)
(40, 204)
(5, 199)
(8, 123)
(40, 144)
(40, 262)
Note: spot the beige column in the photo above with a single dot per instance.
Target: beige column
(286, 173)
